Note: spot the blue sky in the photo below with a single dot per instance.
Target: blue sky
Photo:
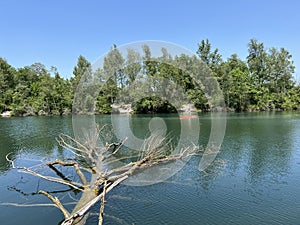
(56, 32)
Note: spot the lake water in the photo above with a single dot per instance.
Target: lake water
(255, 179)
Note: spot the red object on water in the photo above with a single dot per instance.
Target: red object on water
(188, 117)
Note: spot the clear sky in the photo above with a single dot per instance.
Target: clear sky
(56, 32)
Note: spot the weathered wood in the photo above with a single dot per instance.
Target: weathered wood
(56, 201)
(74, 164)
(100, 220)
(72, 184)
(82, 211)
(151, 155)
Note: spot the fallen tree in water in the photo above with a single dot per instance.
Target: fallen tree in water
(100, 163)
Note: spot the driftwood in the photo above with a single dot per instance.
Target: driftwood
(72, 219)
(102, 180)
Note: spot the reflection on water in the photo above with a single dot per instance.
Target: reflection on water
(34, 134)
(254, 180)
(264, 144)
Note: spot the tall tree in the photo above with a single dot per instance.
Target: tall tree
(150, 64)
(281, 70)
(235, 83)
(114, 66)
(238, 90)
(82, 68)
(84, 88)
(113, 74)
(7, 84)
(209, 56)
(257, 62)
(132, 65)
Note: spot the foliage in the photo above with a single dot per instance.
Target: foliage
(153, 104)
(264, 81)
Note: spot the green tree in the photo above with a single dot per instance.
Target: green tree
(281, 70)
(238, 90)
(132, 65)
(271, 73)
(82, 69)
(149, 64)
(83, 87)
(190, 75)
(25, 97)
(212, 58)
(7, 85)
(257, 61)
(114, 67)
(235, 83)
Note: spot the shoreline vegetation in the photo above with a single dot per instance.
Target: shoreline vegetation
(264, 81)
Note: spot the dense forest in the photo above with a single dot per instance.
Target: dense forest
(264, 81)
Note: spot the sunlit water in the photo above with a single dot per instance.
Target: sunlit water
(254, 180)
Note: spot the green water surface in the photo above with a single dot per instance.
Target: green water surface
(255, 179)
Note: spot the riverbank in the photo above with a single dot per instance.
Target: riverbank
(127, 109)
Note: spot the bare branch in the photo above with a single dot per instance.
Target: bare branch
(120, 145)
(102, 204)
(9, 160)
(52, 179)
(63, 143)
(57, 203)
(130, 171)
(74, 185)
(26, 205)
(122, 158)
(155, 150)
(74, 164)
(81, 212)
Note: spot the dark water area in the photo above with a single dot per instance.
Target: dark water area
(255, 179)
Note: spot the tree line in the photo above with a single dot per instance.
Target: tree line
(263, 81)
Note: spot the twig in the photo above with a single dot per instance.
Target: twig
(120, 145)
(130, 171)
(52, 179)
(74, 164)
(57, 203)
(122, 158)
(26, 205)
(63, 143)
(117, 170)
(74, 185)
(68, 148)
(10, 161)
(76, 142)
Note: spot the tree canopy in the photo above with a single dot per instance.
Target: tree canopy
(263, 81)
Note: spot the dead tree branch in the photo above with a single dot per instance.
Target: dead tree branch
(72, 184)
(82, 211)
(57, 203)
(104, 174)
(74, 164)
(102, 204)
